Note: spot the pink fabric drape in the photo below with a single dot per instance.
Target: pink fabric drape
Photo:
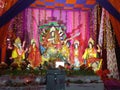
(72, 19)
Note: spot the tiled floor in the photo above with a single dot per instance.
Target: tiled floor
(92, 86)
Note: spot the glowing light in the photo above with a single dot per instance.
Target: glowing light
(59, 63)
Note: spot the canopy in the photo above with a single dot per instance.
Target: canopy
(20, 5)
(65, 4)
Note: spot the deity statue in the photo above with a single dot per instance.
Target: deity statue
(54, 37)
(76, 53)
(91, 54)
(34, 56)
(65, 50)
(18, 53)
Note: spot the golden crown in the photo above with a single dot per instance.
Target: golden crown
(76, 41)
(91, 41)
(17, 40)
(33, 41)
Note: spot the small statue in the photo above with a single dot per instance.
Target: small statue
(18, 53)
(76, 53)
(91, 54)
(34, 56)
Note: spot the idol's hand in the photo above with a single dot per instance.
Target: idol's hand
(26, 50)
(10, 58)
(98, 46)
(98, 50)
(23, 44)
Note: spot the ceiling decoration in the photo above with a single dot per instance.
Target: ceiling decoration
(11, 9)
(112, 9)
(65, 4)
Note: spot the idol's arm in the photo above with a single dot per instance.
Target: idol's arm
(23, 45)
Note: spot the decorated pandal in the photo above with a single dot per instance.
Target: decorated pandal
(67, 44)
(28, 65)
(55, 46)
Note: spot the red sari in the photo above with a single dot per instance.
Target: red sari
(34, 56)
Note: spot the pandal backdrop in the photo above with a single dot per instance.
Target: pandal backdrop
(37, 24)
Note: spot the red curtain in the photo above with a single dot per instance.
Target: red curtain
(116, 27)
(115, 4)
(115, 22)
(3, 30)
(7, 5)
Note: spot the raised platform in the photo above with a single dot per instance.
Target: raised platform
(85, 79)
(38, 83)
(90, 86)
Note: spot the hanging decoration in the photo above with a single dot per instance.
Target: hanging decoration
(104, 32)
(60, 14)
(100, 39)
(107, 43)
(91, 25)
(99, 10)
(31, 24)
(111, 56)
(79, 18)
(18, 25)
(66, 18)
(73, 19)
(45, 15)
(94, 19)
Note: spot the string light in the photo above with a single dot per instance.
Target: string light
(91, 25)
